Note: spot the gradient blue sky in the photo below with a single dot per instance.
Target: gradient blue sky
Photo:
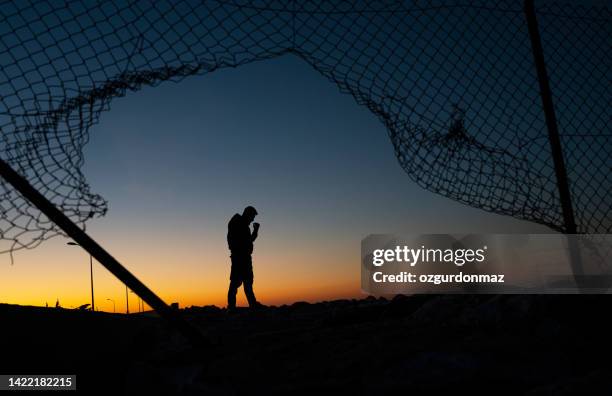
(274, 134)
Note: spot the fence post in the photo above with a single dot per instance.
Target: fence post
(93, 248)
(553, 138)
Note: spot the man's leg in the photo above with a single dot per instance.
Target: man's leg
(248, 290)
(231, 293)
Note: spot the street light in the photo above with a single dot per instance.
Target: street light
(93, 307)
(139, 301)
(110, 299)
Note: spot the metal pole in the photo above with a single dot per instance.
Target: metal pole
(90, 272)
(113, 301)
(127, 301)
(551, 119)
(139, 301)
(94, 249)
(91, 275)
(553, 137)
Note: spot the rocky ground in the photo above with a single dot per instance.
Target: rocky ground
(483, 344)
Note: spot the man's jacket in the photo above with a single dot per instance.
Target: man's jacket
(239, 238)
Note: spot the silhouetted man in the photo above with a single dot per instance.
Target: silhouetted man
(240, 242)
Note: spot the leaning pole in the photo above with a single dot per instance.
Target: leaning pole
(191, 332)
(565, 197)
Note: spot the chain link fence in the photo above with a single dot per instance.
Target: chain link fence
(453, 82)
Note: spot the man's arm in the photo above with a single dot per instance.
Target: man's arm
(255, 231)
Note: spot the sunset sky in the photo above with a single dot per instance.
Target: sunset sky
(177, 161)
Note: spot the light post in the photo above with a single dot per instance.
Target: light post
(139, 301)
(110, 299)
(127, 301)
(93, 307)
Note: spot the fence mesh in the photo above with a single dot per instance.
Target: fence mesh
(454, 83)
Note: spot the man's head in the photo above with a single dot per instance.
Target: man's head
(249, 214)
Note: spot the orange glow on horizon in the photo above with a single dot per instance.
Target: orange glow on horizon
(54, 271)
